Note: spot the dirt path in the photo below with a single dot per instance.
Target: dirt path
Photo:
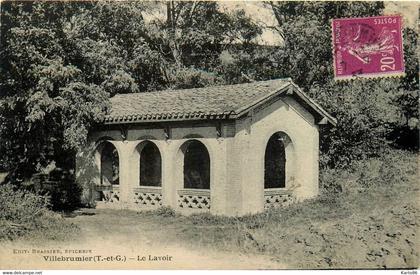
(123, 233)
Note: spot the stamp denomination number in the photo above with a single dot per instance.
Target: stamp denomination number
(387, 62)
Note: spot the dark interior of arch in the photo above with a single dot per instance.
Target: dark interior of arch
(109, 165)
(275, 163)
(150, 166)
(196, 166)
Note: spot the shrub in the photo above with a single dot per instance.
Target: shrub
(165, 211)
(328, 181)
(257, 220)
(19, 210)
(23, 212)
(390, 168)
(209, 219)
(60, 186)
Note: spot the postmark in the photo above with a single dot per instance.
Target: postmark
(368, 47)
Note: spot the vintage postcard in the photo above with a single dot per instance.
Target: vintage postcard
(209, 135)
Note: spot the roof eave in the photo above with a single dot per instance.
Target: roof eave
(127, 120)
(290, 89)
(324, 114)
(244, 110)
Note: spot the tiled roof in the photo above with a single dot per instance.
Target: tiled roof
(215, 102)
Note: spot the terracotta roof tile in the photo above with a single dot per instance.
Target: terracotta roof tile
(191, 103)
(215, 102)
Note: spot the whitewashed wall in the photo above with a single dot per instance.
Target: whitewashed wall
(236, 158)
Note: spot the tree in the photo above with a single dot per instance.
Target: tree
(53, 86)
(405, 134)
(61, 61)
(192, 37)
(368, 111)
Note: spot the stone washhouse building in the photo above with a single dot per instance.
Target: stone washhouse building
(230, 150)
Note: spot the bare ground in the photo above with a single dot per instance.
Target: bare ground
(115, 232)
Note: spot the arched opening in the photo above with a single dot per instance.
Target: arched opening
(150, 165)
(196, 166)
(109, 164)
(275, 169)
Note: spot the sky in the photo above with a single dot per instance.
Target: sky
(264, 16)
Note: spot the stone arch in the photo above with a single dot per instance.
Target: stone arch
(147, 137)
(196, 165)
(101, 140)
(111, 135)
(196, 168)
(108, 163)
(192, 136)
(279, 161)
(149, 159)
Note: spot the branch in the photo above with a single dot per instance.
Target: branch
(192, 10)
(278, 18)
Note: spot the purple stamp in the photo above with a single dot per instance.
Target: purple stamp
(368, 47)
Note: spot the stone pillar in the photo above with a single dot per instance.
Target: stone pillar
(218, 168)
(169, 182)
(125, 151)
(315, 174)
(307, 150)
(233, 177)
(252, 165)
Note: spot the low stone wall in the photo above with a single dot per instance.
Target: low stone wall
(274, 198)
(188, 200)
(149, 198)
(194, 199)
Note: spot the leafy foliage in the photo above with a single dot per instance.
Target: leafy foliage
(61, 61)
(370, 113)
(23, 213)
(47, 102)
(59, 186)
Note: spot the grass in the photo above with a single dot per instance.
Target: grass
(25, 215)
(370, 223)
(52, 227)
(48, 227)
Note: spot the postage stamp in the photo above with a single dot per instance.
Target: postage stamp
(368, 47)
